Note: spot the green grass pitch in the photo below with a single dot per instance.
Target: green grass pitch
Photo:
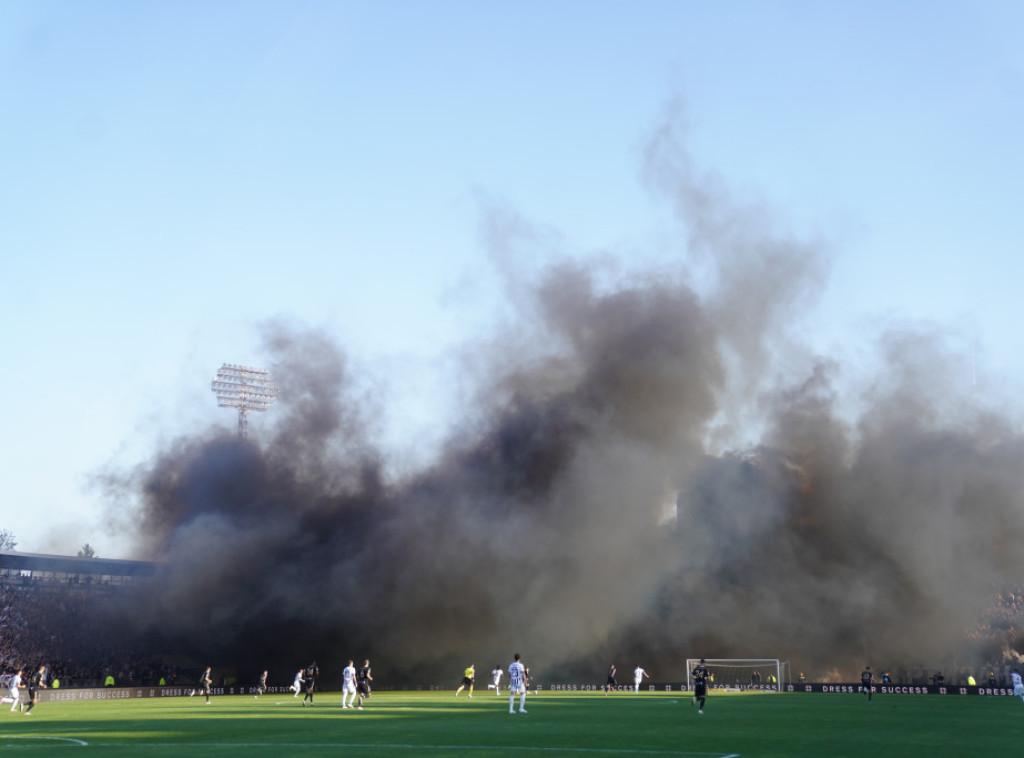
(438, 725)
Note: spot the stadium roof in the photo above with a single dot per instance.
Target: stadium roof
(75, 565)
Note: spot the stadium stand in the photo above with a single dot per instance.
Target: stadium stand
(49, 610)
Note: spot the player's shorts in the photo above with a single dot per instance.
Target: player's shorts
(611, 681)
(700, 690)
(349, 689)
(1018, 691)
(517, 689)
(363, 688)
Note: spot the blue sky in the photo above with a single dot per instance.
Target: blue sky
(173, 174)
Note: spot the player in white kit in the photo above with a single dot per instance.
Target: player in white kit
(15, 691)
(516, 685)
(638, 674)
(496, 674)
(348, 686)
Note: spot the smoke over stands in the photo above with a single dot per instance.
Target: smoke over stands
(653, 468)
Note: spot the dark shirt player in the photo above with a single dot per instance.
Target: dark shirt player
(35, 682)
(865, 681)
(309, 677)
(700, 685)
(610, 683)
(363, 679)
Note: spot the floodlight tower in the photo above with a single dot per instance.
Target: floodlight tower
(244, 388)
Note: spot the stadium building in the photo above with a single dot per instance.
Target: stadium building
(32, 569)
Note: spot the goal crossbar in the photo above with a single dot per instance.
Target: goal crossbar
(747, 673)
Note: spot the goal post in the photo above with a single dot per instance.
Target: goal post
(766, 674)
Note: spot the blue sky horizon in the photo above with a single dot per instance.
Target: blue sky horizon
(176, 174)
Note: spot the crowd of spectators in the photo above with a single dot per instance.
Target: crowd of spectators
(61, 626)
(997, 626)
(995, 636)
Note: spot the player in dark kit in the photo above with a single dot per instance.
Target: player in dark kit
(204, 684)
(37, 680)
(363, 679)
(309, 677)
(700, 685)
(865, 681)
(609, 685)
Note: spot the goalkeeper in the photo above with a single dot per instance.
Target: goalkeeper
(700, 685)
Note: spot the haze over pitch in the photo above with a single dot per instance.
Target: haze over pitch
(649, 465)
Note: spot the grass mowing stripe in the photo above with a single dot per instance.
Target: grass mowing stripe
(395, 724)
(378, 746)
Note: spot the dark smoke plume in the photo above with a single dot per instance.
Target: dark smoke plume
(652, 468)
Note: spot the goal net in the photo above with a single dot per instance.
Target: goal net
(767, 674)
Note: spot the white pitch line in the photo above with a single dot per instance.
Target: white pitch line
(83, 743)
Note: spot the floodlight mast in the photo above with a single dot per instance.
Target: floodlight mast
(244, 388)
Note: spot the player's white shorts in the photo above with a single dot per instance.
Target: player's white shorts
(518, 689)
(348, 689)
(1018, 691)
